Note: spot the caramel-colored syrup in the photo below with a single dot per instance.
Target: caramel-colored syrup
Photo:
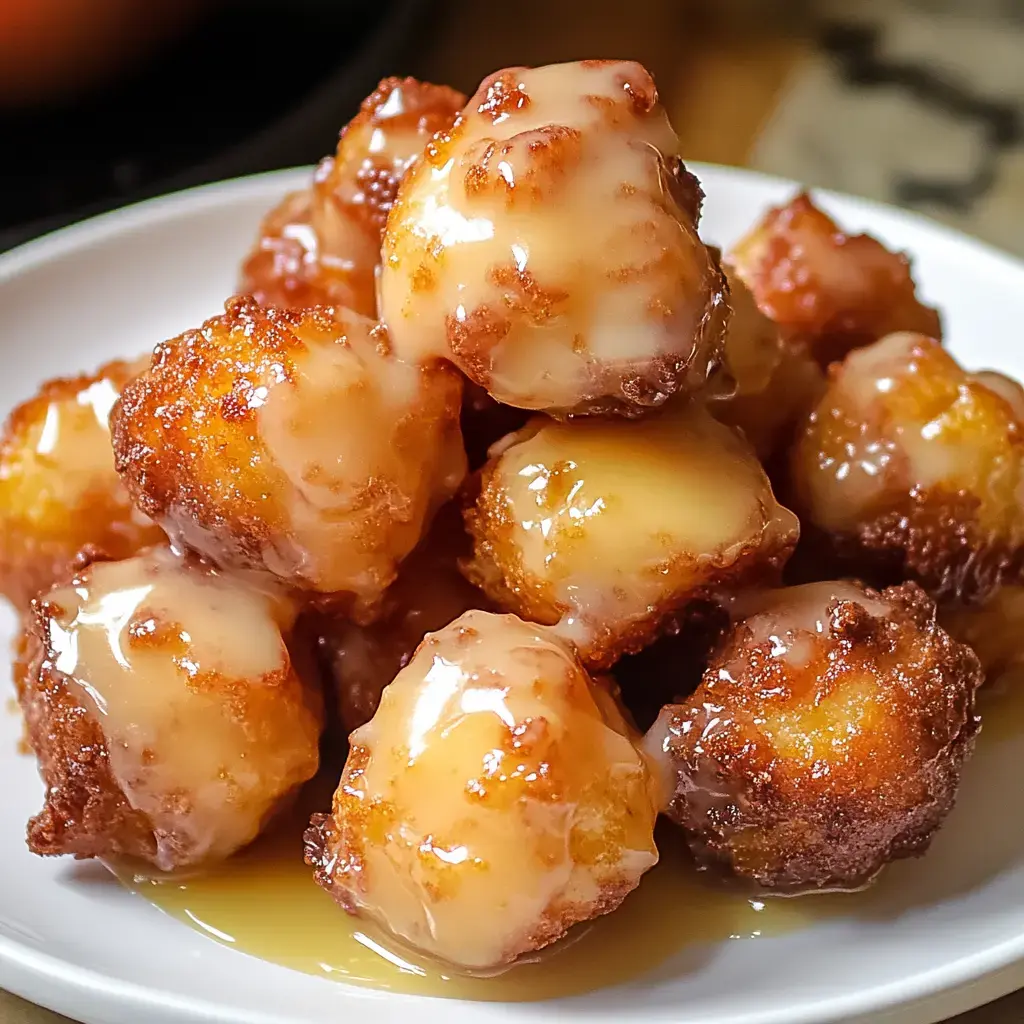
(264, 902)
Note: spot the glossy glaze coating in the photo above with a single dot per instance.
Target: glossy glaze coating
(607, 527)
(825, 740)
(831, 290)
(294, 443)
(914, 468)
(322, 245)
(495, 799)
(58, 487)
(165, 711)
(547, 245)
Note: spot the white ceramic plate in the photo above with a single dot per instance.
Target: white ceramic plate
(950, 934)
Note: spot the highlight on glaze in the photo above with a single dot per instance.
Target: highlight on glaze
(606, 529)
(546, 244)
(161, 700)
(911, 467)
(59, 490)
(495, 799)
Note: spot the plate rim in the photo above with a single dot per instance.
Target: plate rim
(978, 978)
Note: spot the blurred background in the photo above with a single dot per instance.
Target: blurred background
(915, 102)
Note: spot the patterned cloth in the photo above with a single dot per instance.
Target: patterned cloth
(914, 102)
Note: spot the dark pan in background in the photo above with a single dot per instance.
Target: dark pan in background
(249, 85)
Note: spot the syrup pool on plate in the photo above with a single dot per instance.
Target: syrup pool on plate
(264, 902)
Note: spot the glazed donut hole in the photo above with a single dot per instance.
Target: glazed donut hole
(910, 467)
(293, 443)
(825, 288)
(495, 799)
(606, 529)
(162, 703)
(58, 487)
(547, 246)
(825, 740)
(321, 246)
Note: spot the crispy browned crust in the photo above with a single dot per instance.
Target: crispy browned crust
(688, 194)
(181, 434)
(560, 917)
(802, 269)
(334, 847)
(496, 564)
(755, 564)
(547, 157)
(422, 110)
(789, 824)
(670, 669)
(39, 534)
(554, 150)
(655, 380)
(933, 537)
(962, 538)
(188, 446)
(285, 267)
(30, 563)
(333, 843)
(85, 814)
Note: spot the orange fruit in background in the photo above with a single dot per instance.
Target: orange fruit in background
(49, 49)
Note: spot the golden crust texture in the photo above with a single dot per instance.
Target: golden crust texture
(58, 487)
(321, 246)
(830, 290)
(913, 468)
(293, 443)
(607, 529)
(496, 799)
(547, 245)
(161, 702)
(825, 740)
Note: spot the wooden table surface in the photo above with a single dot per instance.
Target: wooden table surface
(720, 76)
